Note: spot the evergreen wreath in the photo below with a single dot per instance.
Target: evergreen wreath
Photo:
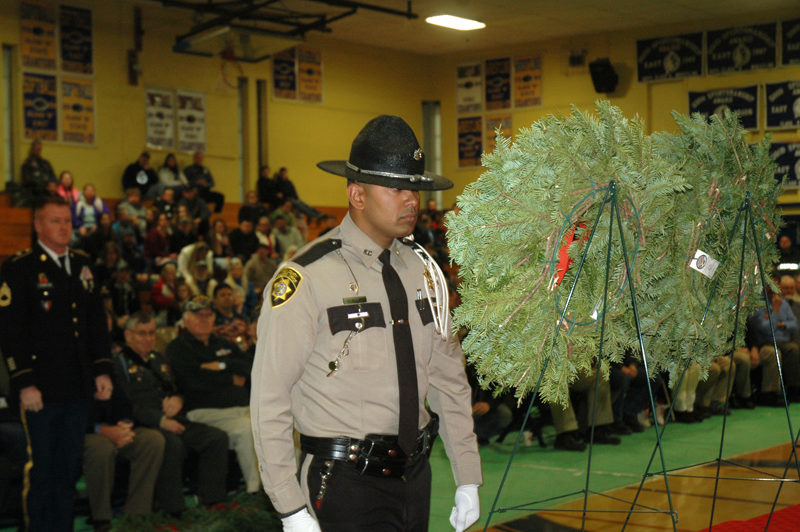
(541, 213)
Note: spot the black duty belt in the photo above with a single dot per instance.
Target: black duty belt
(376, 455)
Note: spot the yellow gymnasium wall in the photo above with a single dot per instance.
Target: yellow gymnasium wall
(359, 82)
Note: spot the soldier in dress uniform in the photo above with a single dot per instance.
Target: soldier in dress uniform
(55, 342)
(350, 347)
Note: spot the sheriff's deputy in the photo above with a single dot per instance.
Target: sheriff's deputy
(350, 347)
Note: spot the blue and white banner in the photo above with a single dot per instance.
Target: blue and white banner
(498, 84)
(787, 157)
(39, 93)
(76, 39)
(741, 100)
(783, 105)
(678, 56)
(284, 74)
(470, 141)
(790, 50)
(742, 49)
(191, 111)
(469, 88)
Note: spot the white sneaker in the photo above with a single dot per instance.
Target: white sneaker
(643, 418)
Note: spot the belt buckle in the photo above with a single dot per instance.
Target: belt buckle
(364, 456)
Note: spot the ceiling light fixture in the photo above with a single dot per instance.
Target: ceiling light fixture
(455, 23)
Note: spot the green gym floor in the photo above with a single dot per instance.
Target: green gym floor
(541, 473)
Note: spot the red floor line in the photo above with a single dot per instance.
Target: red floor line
(609, 521)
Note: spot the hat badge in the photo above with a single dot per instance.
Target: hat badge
(418, 154)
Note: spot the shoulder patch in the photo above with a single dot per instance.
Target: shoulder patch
(80, 252)
(317, 251)
(285, 285)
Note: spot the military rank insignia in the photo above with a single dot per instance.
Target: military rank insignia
(284, 286)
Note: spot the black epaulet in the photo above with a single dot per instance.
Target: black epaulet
(317, 251)
(21, 254)
(407, 241)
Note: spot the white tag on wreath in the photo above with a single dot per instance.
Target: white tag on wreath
(704, 264)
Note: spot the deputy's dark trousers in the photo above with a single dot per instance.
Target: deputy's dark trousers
(211, 445)
(362, 503)
(56, 436)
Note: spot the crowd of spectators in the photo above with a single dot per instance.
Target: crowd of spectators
(182, 293)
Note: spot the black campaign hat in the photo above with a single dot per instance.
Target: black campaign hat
(386, 153)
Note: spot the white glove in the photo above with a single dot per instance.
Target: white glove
(300, 522)
(467, 508)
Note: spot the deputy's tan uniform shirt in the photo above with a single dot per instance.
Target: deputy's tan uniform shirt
(308, 312)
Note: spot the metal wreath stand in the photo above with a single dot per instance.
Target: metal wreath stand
(611, 200)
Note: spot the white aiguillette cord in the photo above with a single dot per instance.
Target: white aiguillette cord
(435, 289)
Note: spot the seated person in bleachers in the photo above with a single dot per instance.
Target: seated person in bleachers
(124, 298)
(111, 433)
(106, 263)
(170, 176)
(145, 377)
(260, 268)
(713, 391)
(285, 235)
(86, 211)
(685, 397)
(789, 293)
(573, 425)
(37, 172)
(163, 295)
(244, 241)
(131, 252)
(287, 192)
(788, 252)
(190, 255)
(264, 234)
(140, 175)
(158, 245)
(166, 204)
(491, 414)
(66, 188)
(229, 323)
(266, 188)
(94, 242)
(196, 208)
(220, 243)
(200, 178)
(212, 375)
(759, 352)
(237, 279)
(183, 234)
(251, 209)
(134, 212)
(786, 328)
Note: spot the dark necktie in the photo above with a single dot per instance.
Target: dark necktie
(404, 352)
(62, 260)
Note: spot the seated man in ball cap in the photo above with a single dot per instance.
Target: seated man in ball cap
(350, 347)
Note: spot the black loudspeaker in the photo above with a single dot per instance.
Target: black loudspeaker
(604, 76)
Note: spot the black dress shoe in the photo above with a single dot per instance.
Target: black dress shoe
(702, 412)
(619, 427)
(633, 424)
(718, 409)
(685, 417)
(747, 403)
(770, 399)
(602, 436)
(566, 441)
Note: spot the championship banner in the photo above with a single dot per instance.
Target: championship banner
(39, 103)
(783, 105)
(469, 88)
(787, 157)
(191, 121)
(498, 83)
(741, 49)
(76, 39)
(160, 118)
(77, 110)
(470, 142)
(309, 74)
(790, 50)
(38, 35)
(678, 56)
(742, 100)
(527, 81)
(493, 123)
(284, 77)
